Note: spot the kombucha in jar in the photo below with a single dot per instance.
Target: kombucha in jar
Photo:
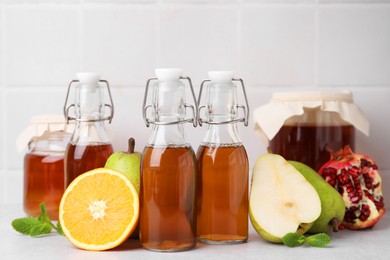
(89, 147)
(306, 126)
(168, 168)
(44, 165)
(222, 181)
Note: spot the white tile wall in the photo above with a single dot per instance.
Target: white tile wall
(41, 44)
(120, 42)
(278, 44)
(273, 45)
(198, 38)
(354, 44)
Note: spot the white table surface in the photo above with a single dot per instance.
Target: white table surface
(345, 244)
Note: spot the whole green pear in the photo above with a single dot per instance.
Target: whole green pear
(332, 204)
(128, 163)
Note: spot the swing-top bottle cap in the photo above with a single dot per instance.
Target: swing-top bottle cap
(90, 79)
(220, 77)
(169, 75)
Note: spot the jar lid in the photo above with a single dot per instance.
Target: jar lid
(270, 117)
(39, 125)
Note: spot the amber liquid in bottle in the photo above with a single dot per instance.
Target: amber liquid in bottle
(222, 194)
(43, 182)
(308, 144)
(167, 195)
(81, 158)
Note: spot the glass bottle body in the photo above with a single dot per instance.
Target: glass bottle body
(81, 158)
(88, 149)
(222, 193)
(167, 195)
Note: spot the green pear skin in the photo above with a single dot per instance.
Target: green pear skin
(128, 163)
(332, 204)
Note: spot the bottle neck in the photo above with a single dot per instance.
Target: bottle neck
(168, 135)
(90, 133)
(222, 134)
(89, 102)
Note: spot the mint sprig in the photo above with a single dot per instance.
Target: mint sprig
(317, 240)
(36, 226)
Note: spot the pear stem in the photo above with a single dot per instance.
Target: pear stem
(334, 223)
(131, 145)
(269, 150)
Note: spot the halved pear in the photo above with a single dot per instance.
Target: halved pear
(281, 199)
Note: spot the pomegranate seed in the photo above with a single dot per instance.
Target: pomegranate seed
(353, 208)
(332, 183)
(355, 199)
(363, 217)
(353, 173)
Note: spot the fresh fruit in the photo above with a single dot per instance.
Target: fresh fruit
(99, 209)
(332, 204)
(357, 179)
(281, 200)
(128, 163)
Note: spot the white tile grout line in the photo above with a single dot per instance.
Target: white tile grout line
(157, 57)
(239, 38)
(80, 35)
(316, 44)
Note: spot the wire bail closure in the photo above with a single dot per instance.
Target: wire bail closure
(67, 108)
(145, 107)
(245, 109)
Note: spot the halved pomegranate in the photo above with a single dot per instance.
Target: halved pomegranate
(357, 179)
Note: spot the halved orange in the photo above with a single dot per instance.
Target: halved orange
(99, 210)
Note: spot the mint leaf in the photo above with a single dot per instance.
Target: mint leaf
(318, 240)
(45, 217)
(38, 226)
(43, 208)
(24, 225)
(59, 229)
(293, 239)
(41, 229)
